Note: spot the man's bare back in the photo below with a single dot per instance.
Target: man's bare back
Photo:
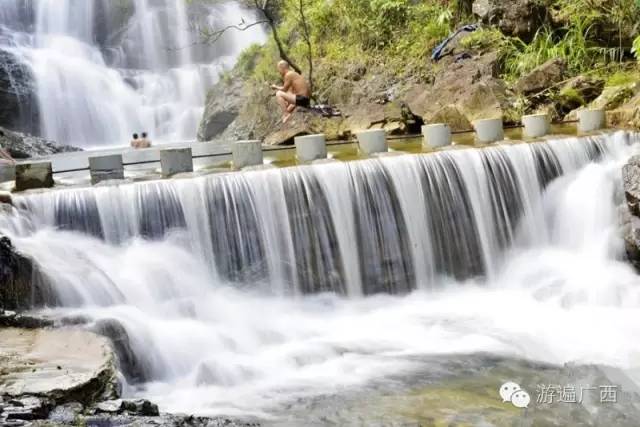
(295, 91)
(297, 83)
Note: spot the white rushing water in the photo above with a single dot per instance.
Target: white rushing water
(105, 69)
(512, 250)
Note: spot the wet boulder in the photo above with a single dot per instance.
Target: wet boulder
(630, 213)
(631, 182)
(24, 146)
(139, 407)
(133, 367)
(18, 98)
(16, 274)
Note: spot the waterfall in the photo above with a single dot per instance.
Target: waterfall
(305, 231)
(105, 69)
(241, 292)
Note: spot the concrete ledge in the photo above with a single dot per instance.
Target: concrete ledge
(591, 120)
(176, 160)
(489, 130)
(436, 135)
(103, 168)
(536, 125)
(34, 175)
(247, 153)
(372, 141)
(311, 147)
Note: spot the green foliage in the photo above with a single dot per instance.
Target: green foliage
(636, 48)
(398, 33)
(248, 59)
(570, 96)
(570, 45)
(622, 77)
(486, 39)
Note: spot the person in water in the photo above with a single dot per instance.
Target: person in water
(295, 91)
(144, 142)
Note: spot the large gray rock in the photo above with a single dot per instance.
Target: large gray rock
(18, 100)
(471, 88)
(543, 77)
(519, 18)
(222, 107)
(59, 365)
(23, 146)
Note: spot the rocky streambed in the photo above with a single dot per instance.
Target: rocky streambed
(69, 376)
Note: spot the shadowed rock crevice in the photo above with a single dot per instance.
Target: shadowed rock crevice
(22, 286)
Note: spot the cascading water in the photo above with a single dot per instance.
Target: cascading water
(509, 250)
(105, 69)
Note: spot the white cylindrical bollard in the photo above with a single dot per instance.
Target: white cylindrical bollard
(34, 175)
(591, 120)
(176, 160)
(105, 168)
(372, 141)
(436, 135)
(489, 130)
(246, 153)
(536, 125)
(311, 147)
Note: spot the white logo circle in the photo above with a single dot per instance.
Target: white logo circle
(521, 399)
(507, 390)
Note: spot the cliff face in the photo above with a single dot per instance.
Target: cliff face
(18, 100)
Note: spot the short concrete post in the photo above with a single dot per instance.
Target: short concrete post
(489, 130)
(34, 175)
(176, 160)
(7, 172)
(246, 153)
(372, 141)
(591, 120)
(105, 168)
(436, 135)
(536, 125)
(311, 147)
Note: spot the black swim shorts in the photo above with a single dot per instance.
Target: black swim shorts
(303, 101)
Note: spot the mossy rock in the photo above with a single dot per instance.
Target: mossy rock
(614, 96)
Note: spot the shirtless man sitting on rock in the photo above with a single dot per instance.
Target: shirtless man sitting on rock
(294, 93)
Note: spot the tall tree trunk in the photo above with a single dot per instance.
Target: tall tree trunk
(264, 8)
(307, 37)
